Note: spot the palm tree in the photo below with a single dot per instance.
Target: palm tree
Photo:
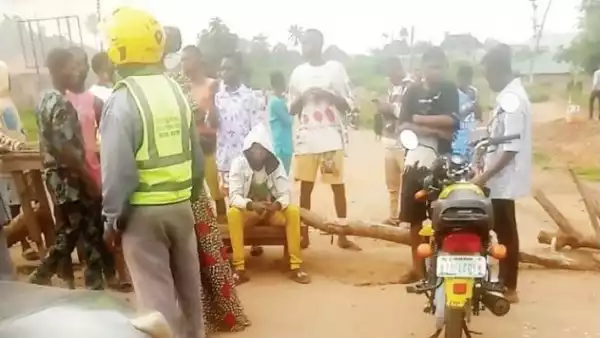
(295, 33)
(404, 33)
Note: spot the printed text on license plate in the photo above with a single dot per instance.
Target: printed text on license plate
(461, 266)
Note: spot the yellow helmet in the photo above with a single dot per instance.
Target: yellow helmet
(134, 37)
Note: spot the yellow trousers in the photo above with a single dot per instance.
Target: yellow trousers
(289, 217)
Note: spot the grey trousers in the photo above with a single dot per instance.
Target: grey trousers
(160, 249)
(6, 268)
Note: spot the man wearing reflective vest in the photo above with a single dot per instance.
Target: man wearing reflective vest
(151, 165)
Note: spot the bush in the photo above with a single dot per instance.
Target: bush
(537, 93)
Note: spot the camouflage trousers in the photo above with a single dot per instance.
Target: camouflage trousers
(77, 221)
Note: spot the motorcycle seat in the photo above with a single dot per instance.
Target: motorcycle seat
(462, 207)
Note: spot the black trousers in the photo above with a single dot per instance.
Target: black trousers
(505, 225)
(594, 96)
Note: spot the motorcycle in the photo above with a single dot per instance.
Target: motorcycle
(460, 248)
(352, 118)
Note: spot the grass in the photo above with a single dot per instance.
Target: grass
(29, 124)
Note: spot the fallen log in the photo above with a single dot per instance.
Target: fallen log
(357, 228)
(562, 240)
(16, 230)
(558, 217)
(590, 204)
(560, 261)
(402, 236)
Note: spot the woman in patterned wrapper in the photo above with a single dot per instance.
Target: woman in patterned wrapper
(222, 308)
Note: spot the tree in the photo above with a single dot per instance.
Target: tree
(466, 43)
(538, 26)
(583, 51)
(295, 34)
(216, 42)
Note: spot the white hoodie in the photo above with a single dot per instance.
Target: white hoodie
(241, 174)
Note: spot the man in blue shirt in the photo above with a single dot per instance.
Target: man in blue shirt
(281, 121)
(468, 113)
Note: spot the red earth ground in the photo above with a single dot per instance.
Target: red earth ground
(554, 304)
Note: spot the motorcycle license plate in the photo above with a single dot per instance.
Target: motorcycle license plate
(461, 266)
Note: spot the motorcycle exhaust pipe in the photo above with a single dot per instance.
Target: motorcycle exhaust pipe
(496, 303)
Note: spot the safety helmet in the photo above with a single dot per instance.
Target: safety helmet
(134, 37)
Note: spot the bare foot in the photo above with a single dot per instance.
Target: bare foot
(512, 296)
(346, 244)
(240, 277)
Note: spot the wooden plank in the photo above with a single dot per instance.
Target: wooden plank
(20, 161)
(31, 219)
(46, 219)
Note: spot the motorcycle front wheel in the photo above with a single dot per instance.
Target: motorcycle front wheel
(454, 320)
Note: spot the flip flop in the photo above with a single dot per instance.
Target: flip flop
(299, 276)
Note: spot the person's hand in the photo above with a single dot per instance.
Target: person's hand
(273, 207)
(479, 180)
(112, 238)
(259, 207)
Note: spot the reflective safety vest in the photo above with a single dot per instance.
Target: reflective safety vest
(164, 159)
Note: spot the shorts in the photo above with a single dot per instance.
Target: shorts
(411, 210)
(306, 167)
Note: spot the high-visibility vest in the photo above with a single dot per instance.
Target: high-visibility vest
(164, 159)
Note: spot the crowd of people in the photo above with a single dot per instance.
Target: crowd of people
(150, 163)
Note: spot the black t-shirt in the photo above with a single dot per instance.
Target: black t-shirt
(441, 100)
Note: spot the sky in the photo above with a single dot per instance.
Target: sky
(356, 27)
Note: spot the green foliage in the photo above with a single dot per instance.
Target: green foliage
(538, 93)
(583, 51)
(29, 123)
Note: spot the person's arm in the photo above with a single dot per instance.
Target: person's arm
(98, 107)
(281, 187)
(296, 98)
(514, 124)
(278, 109)
(121, 133)
(197, 161)
(343, 98)
(447, 120)
(237, 197)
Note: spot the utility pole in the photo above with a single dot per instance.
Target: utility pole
(99, 19)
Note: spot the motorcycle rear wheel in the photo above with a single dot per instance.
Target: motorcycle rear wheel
(454, 321)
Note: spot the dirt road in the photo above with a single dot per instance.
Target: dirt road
(553, 304)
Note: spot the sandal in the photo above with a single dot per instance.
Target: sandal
(256, 251)
(410, 277)
(240, 277)
(120, 286)
(347, 244)
(299, 276)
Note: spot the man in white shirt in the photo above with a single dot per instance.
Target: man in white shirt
(595, 95)
(104, 70)
(320, 95)
(507, 170)
(394, 154)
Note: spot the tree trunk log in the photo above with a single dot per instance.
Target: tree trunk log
(16, 230)
(402, 236)
(590, 204)
(562, 240)
(560, 261)
(357, 228)
(561, 220)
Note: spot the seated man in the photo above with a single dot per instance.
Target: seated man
(259, 191)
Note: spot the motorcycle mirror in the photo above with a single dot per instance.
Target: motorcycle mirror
(409, 139)
(510, 102)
